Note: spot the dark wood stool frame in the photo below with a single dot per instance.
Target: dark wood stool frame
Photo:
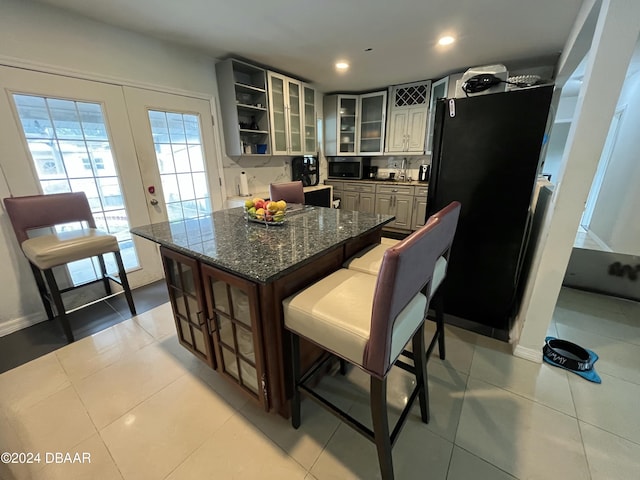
(42, 211)
(421, 249)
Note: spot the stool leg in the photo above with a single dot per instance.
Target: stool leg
(420, 359)
(125, 282)
(381, 426)
(295, 375)
(439, 308)
(57, 300)
(105, 279)
(44, 296)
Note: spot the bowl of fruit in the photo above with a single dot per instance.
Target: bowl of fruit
(265, 211)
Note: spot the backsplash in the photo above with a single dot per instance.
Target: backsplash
(261, 171)
(387, 165)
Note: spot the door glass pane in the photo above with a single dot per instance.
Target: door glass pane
(71, 151)
(249, 376)
(279, 120)
(226, 331)
(230, 365)
(178, 146)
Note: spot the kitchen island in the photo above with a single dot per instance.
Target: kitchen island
(227, 279)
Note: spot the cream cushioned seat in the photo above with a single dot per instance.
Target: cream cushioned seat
(44, 252)
(49, 251)
(318, 313)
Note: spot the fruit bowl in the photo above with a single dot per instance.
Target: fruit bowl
(265, 212)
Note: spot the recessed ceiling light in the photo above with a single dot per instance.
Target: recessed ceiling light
(446, 40)
(342, 65)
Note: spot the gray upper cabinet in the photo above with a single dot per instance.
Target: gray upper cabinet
(286, 113)
(371, 123)
(354, 124)
(407, 118)
(244, 106)
(310, 120)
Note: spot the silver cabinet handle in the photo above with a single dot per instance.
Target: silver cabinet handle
(153, 202)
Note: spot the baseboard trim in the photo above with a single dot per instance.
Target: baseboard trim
(528, 353)
(19, 323)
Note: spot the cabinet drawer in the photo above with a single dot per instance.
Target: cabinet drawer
(360, 187)
(395, 189)
(420, 191)
(337, 184)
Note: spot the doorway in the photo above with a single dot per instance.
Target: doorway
(66, 134)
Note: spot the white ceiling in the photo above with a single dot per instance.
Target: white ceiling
(306, 37)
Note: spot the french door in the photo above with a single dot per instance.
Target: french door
(62, 134)
(175, 145)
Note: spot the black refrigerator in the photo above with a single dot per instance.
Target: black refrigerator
(486, 154)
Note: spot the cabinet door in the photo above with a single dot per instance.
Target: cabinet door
(419, 211)
(188, 304)
(236, 330)
(309, 113)
(396, 136)
(402, 209)
(416, 129)
(384, 205)
(372, 122)
(294, 118)
(350, 201)
(242, 90)
(278, 113)
(347, 121)
(367, 202)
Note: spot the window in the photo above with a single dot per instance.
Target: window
(70, 148)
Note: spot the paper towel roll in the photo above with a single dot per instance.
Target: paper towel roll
(244, 185)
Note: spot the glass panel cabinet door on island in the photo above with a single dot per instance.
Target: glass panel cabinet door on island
(234, 326)
(188, 304)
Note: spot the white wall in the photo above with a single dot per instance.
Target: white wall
(35, 33)
(616, 217)
(33, 36)
(614, 40)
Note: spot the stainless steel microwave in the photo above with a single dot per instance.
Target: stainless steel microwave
(348, 167)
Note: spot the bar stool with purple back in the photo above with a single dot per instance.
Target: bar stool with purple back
(290, 192)
(367, 320)
(44, 252)
(369, 261)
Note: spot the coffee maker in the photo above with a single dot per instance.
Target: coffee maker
(306, 170)
(424, 173)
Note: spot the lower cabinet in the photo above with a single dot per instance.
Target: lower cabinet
(419, 207)
(398, 201)
(408, 203)
(360, 197)
(234, 325)
(217, 319)
(184, 283)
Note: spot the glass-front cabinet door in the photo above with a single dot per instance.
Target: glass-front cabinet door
(295, 116)
(188, 304)
(372, 122)
(310, 127)
(285, 109)
(233, 317)
(347, 119)
(278, 114)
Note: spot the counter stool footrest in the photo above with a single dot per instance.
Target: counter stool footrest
(352, 422)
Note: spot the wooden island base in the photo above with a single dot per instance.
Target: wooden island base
(234, 323)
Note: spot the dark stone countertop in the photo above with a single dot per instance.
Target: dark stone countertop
(257, 252)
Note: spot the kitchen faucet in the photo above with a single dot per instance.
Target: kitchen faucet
(403, 169)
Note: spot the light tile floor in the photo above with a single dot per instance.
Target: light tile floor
(145, 408)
